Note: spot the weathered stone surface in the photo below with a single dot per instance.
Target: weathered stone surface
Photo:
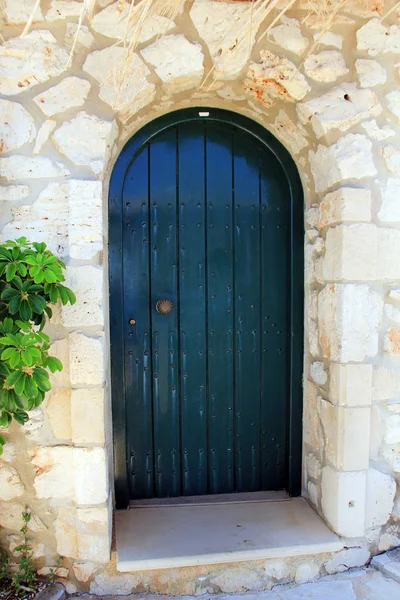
(85, 222)
(328, 38)
(17, 128)
(45, 220)
(288, 35)
(392, 313)
(11, 485)
(83, 571)
(376, 38)
(70, 93)
(349, 158)
(392, 341)
(394, 294)
(346, 436)
(340, 108)
(83, 534)
(28, 61)
(347, 559)
(387, 565)
(106, 584)
(313, 466)
(9, 451)
(388, 251)
(86, 360)
(393, 102)
(18, 167)
(277, 569)
(38, 549)
(11, 193)
(350, 385)
(43, 135)
(392, 159)
(306, 572)
(381, 489)
(87, 416)
(275, 78)
(351, 253)
(17, 12)
(318, 373)
(326, 66)
(58, 408)
(54, 467)
(113, 23)
(343, 501)
(229, 94)
(80, 36)
(86, 140)
(90, 477)
(224, 26)
(349, 317)
(391, 433)
(237, 579)
(294, 136)
(87, 283)
(314, 591)
(385, 383)
(60, 9)
(177, 62)
(377, 133)
(345, 204)
(390, 208)
(53, 571)
(370, 72)
(60, 349)
(122, 78)
(312, 427)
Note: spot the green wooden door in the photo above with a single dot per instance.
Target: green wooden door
(206, 226)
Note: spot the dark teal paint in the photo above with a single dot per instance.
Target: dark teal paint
(206, 212)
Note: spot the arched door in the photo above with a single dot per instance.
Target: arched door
(203, 253)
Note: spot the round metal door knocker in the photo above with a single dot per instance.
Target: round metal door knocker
(164, 307)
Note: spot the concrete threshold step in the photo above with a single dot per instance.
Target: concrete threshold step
(183, 536)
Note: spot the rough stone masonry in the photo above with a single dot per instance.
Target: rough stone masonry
(62, 126)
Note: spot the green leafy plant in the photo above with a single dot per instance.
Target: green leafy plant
(30, 282)
(25, 575)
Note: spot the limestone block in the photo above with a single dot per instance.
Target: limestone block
(105, 584)
(65, 528)
(313, 466)
(29, 61)
(80, 36)
(392, 313)
(87, 416)
(349, 158)
(11, 193)
(70, 93)
(45, 220)
(274, 78)
(9, 452)
(349, 317)
(394, 295)
(388, 252)
(347, 559)
(11, 485)
(392, 159)
(93, 534)
(114, 22)
(370, 73)
(90, 477)
(237, 579)
(34, 428)
(288, 35)
(43, 135)
(61, 9)
(391, 433)
(11, 515)
(18, 12)
(54, 467)
(381, 489)
(346, 436)
(376, 38)
(312, 428)
(345, 204)
(225, 26)
(377, 133)
(393, 103)
(351, 253)
(17, 128)
(85, 222)
(326, 66)
(277, 569)
(86, 140)
(343, 501)
(54, 571)
(83, 571)
(313, 339)
(313, 494)
(177, 62)
(350, 385)
(23, 167)
(87, 284)
(122, 78)
(60, 349)
(294, 136)
(329, 39)
(318, 373)
(229, 94)
(86, 360)
(58, 408)
(340, 108)
(15, 540)
(306, 572)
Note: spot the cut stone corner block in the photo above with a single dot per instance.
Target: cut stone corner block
(343, 501)
(350, 384)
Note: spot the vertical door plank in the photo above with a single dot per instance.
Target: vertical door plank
(275, 317)
(247, 313)
(165, 342)
(192, 291)
(136, 289)
(220, 308)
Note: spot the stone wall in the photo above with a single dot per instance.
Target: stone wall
(63, 124)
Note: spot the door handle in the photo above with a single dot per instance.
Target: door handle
(164, 306)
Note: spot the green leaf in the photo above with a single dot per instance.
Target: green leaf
(19, 387)
(63, 294)
(50, 276)
(9, 293)
(5, 419)
(17, 282)
(8, 353)
(21, 417)
(27, 358)
(25, 310)
(2, 440)
(54, 364)
(30, 259)
(15, 360)
(13, 378)
(14, 305)
(37, 303)
(53, 293)
(39, 278)
(9, 340)
(42, 382)
(11, 271)
(31, 389)
(23, 271)
(8, 325)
